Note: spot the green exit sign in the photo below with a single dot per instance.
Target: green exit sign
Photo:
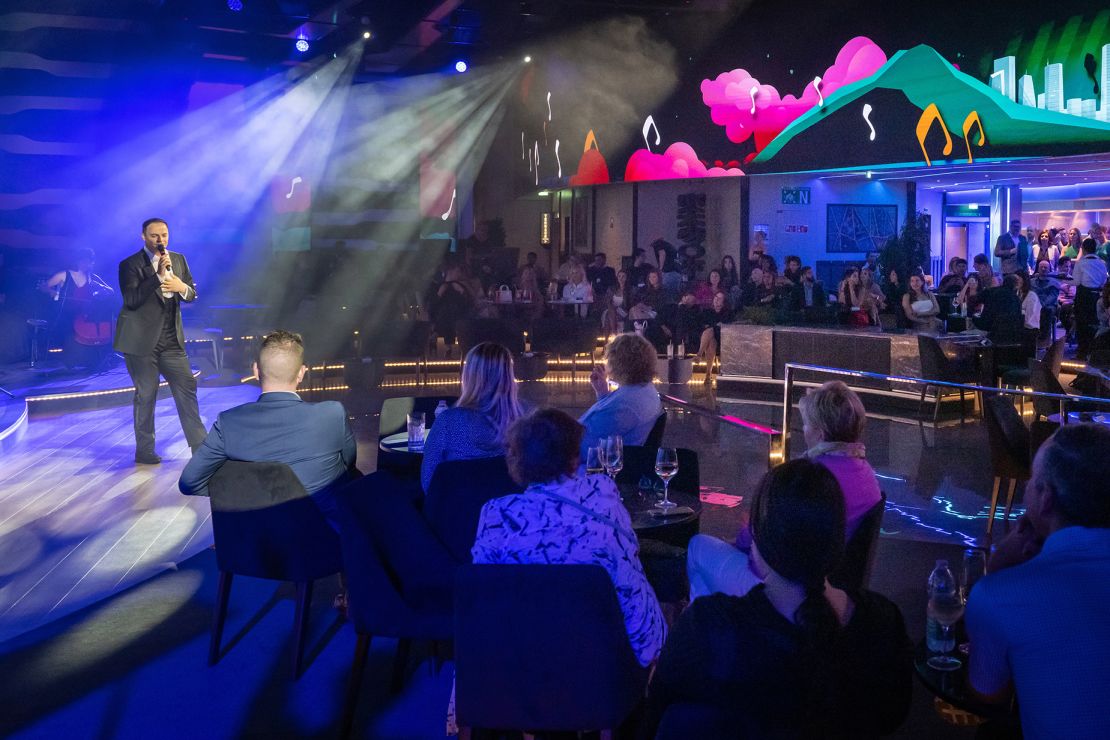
(795, 196)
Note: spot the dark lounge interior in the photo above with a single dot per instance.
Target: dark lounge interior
(768, 346)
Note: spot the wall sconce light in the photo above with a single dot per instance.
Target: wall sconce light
(545, 229)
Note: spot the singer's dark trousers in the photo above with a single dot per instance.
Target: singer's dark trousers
(169, 360)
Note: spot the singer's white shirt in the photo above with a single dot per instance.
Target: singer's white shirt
(162, 278)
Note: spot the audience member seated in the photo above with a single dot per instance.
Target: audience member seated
(749, 294)
(578, 289)
(475, 426)
(795, 657)
(1102, 309)
(730, 278)
(953, 280)
(792, 271)
(704, 292)
(1066, 301)
(528, 284)
(653, 293)
(560, 519)
(667, 260)
(767, 291)
(313, 439)
(808, 293)
(920, 306)
(646, 321)
(874, 301)
(601, 276)
(833, 419)
(987, 278)
(1001, 309)
(631, 409)
(532, 260)
(893, 290)
(851, 296)
(618, 302)
(1037, 620)
(969, 301)
(1044, 249)
(1045, 285)
(682, 322)
(1072, 249)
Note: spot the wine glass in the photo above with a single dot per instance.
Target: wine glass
(666, 467)
(594, 460)
(613, 447)
(946, 612)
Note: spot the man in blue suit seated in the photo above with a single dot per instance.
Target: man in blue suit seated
(313, 439)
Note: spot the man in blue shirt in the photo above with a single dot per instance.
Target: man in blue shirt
(1039, 624)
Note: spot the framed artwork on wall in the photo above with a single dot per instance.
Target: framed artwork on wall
(859, 228)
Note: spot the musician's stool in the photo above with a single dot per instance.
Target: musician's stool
(211, 334)
(37, 325)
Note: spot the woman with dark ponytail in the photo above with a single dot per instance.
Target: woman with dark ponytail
(795, 657)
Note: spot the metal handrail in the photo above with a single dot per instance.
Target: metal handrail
(775, 447)
(788, 390)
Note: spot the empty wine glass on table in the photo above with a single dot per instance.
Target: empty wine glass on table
(666, 467)
(594, 460)
(613, 448)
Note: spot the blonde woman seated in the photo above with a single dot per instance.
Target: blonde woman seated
(631, 409)
(579, 290)
(487, 406)
(833, 419)
(920, 306)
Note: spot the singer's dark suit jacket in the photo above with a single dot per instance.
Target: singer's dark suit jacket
(140, 321)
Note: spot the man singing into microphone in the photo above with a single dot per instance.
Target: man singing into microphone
(153, 283)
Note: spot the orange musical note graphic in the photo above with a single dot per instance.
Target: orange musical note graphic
(928, 117)
(591, 140)
(971, 120)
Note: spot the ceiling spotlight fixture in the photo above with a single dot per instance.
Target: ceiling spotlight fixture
(302, 45)
(460, 66)
(235, 5)
(527, 59)
(366, 35)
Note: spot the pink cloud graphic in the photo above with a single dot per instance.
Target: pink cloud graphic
(730, 95)
(679, 161)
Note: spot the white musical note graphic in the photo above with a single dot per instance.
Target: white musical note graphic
(292, 186)
(447, 214)
(557, 160)
(752, 93)
(549, 105)
(817, 89)
(866, 116)
(537, 148)
(650, 124)
(522, 148)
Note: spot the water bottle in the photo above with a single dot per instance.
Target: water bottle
(944, 598)
(440, 408)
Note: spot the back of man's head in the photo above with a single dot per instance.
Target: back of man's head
(1088, 246)
(280, 358)
(1072, 465)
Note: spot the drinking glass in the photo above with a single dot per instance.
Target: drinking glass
(975, 567)
(946, 612)
(416, 430)
(666, 467)
(594, 458)
(613, 447)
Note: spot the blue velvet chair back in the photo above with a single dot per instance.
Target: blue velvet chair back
(266, 525)
(376, 601)
(542, 648)
(854, 571)
(456, 495)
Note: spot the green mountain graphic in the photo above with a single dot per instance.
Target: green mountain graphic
(924, 77)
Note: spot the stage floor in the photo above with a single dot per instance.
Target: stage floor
(80, 521)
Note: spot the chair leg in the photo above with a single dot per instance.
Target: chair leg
(400, 662)
(994, 504)
(1009, 503)
(961, 405)
(223, 591)
(936, 407)
(921, 403)
(300, 624)
(358, 667)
